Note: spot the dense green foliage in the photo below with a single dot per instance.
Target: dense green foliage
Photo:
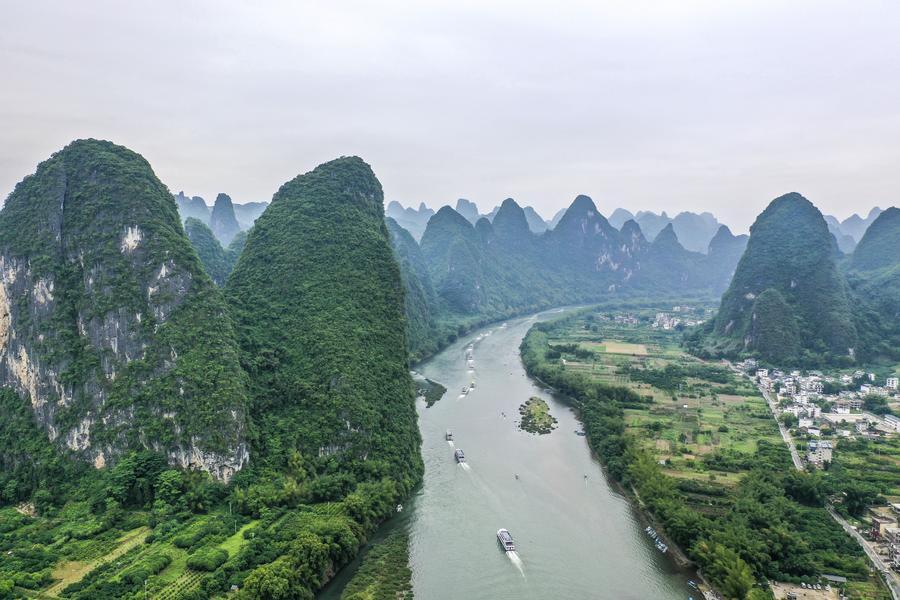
(218, 262)
(384, 573)
(27, 462)
(420, 300)
(874, 277)
(536, 417)
(215, 260)
(326, 351)
(334, 443)
(791, 252)
(771, 525)
(122, 337)
(489, 271)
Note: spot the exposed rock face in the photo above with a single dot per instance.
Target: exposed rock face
(222, 220)
(107, 323)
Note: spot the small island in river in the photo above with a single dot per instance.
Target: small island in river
(536, 417)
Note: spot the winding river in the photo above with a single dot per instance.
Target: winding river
(577, 537)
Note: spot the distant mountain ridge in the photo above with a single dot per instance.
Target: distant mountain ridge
(415, 220)
(694, 231)
(240, 215)
(491, 269)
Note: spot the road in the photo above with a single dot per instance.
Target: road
(890, 577)
(785, 434)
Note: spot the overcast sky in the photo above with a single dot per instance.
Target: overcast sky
(685, 105)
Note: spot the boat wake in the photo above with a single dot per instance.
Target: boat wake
(461, 396)
(514, 557)
(450, 442)
(465, 466)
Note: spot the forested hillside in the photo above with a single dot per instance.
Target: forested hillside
(791, 255)
(216, 261)
(420, 299)
(112, 334)
(317, 301)
(493, 269)
(874, 277)
(120, 349)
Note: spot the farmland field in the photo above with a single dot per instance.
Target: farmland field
(701, 420)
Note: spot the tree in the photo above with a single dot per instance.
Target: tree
(275, 581)
(169, 486)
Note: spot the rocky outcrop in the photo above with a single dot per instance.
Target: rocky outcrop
(223, 221)
(108, 324)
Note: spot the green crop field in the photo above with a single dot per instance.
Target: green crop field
(704, 422)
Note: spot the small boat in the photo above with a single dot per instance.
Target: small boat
(581, 433)
(692, 583)
(459, 455)
(448, 436)
(472, 386)
(465, 389)
(399, 508)
(506, 540)
(661, 547)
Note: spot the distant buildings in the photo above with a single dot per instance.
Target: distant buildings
(819, 453)
(892, 422)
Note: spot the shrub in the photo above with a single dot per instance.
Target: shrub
(207, 559)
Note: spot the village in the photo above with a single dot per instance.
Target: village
(822, 413)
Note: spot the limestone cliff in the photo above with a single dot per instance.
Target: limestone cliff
(108, 324)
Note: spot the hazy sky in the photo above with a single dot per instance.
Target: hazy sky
(676, 105)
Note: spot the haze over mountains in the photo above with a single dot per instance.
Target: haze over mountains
(131, 343)
(225, 218)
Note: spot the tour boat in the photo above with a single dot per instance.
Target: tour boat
(459, 455)
(506, 540)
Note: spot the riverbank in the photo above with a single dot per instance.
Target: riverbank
(575, 532)
(384, 571)
(722, 540)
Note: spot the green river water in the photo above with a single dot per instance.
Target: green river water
(577, 537)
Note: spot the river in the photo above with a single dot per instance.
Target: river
(577, 537)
